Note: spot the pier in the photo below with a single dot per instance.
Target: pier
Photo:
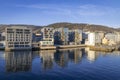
(56, 47)
(36, 46)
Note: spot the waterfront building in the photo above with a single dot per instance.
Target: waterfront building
(18, 38)
(105, 41)
(111, 42)
(2, 36)
(36, 37)
(101, 34)
(94, 38)
(84, 37)
(75, 37)
(118, 37)
(61, 36)
(2, 40)
(113, 37)
(47, 36)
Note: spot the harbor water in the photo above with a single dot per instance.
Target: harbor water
(73, 64)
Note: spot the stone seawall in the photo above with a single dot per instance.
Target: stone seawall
(104, 48)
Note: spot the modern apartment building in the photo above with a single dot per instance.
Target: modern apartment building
(75, 37)
(2, 40)
(61, 36)
(36, 37)
(94, 38)
(47, 36)
(112, 36)
(18, 38)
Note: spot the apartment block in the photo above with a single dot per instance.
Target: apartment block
(47, 36)
(2, 40)
(18, 38)
(94, 38)
(113, 37)
(36, 37)
(75, 37)
(61, 36)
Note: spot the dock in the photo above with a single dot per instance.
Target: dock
(47, 47)
(56, 47)
(69, 46)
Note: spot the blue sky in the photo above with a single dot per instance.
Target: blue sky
(44, 12)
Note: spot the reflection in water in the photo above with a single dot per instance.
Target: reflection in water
(49, 64)
(22, 60)
(76, 55)
(18, 61)
(91, 55)
(47, 58)
(61, 58)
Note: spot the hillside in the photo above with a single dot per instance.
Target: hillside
(83, 26)
(34, 28)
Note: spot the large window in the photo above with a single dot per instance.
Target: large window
(27, 46)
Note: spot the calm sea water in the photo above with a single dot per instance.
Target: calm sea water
(73, 64)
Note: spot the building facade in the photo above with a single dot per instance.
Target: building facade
(36, 37)
(94, 38)
(47, 36)
(61, 36)
(18, 38)
(115, 37)
(2, 40)
(75, 37)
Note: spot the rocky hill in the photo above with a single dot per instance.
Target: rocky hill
(34, 28)
(83, 26)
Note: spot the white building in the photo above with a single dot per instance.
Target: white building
(91, 39)
(47, 36)
(115, 37)
(94, 38)
(18, 38)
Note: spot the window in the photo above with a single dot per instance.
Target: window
(27, 46)
(21, 45)
(21, 42)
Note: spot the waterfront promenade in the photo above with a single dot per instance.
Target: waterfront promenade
(93, 48)
(58, 47)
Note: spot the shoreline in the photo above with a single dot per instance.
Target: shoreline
(57, 47)
(62, 47)
(105, 48)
